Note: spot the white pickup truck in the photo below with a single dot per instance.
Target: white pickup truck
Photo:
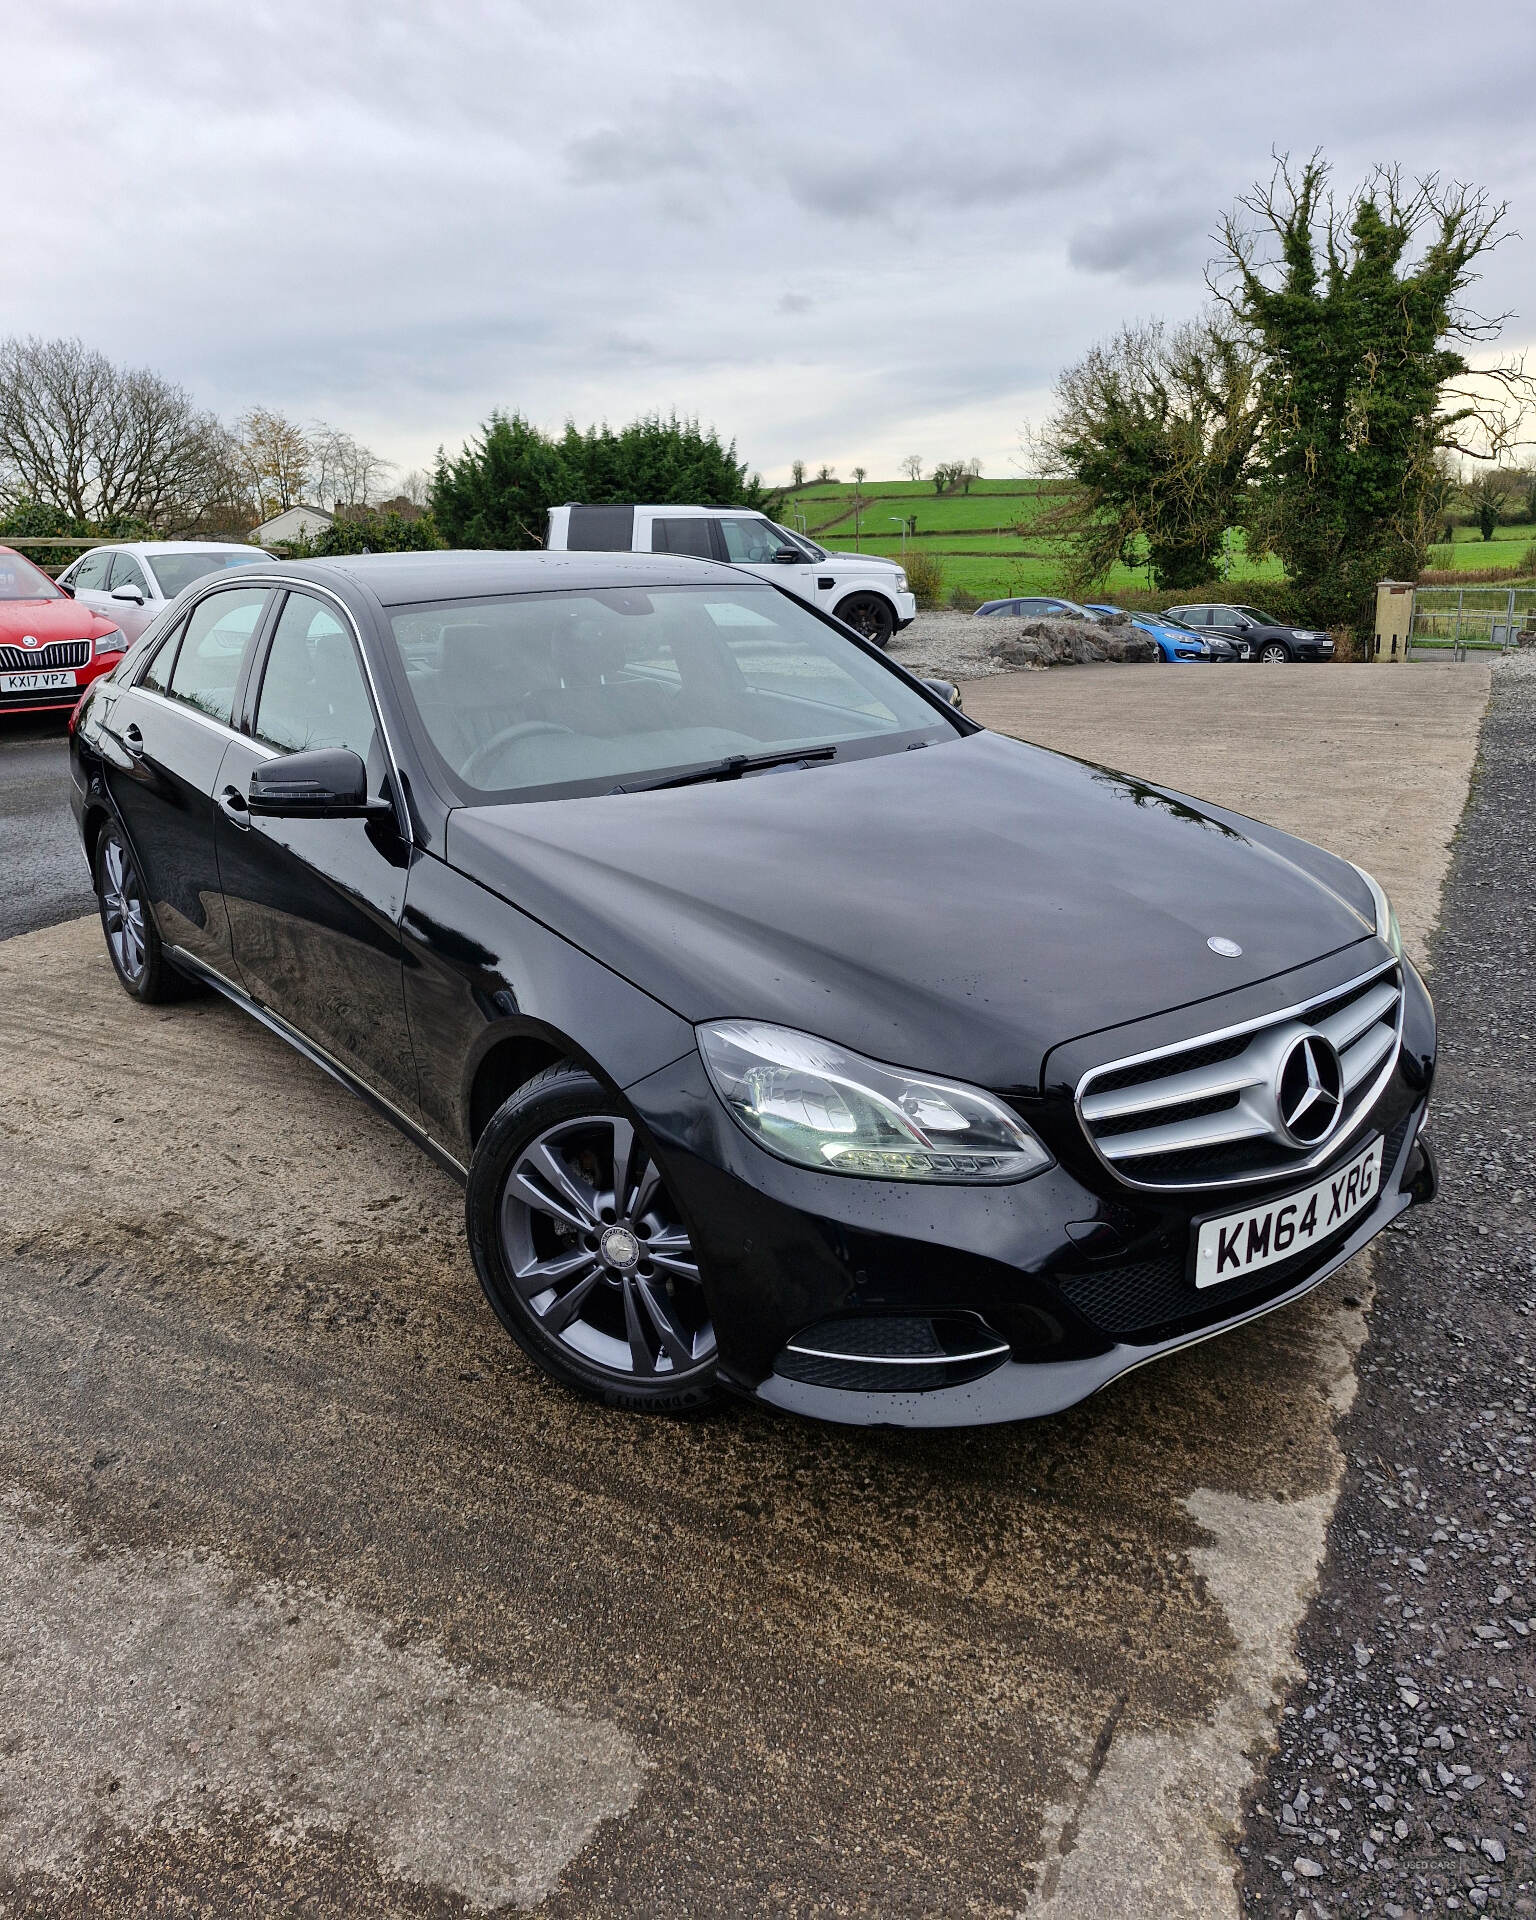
(870, 594)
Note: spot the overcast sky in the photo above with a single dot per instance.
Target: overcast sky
(842, 233)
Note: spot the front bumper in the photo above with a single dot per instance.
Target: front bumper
(1067, 1279)
(1019, 1390)
(58, 699)
(906, 608)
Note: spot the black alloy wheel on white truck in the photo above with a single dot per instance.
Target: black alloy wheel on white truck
(869, 615)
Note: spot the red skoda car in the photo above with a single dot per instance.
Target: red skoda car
(50, 649)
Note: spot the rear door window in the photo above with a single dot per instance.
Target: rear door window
(691, 535)
(208, 663)
(91, 573)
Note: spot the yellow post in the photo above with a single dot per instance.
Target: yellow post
(1394, 615)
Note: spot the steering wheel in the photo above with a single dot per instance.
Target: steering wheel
(470, 770)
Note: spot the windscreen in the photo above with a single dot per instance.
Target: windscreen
(177, 570)
(20, 580)
(540, 694)
(1262, 618)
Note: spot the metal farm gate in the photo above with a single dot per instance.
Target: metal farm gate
(1463, 620)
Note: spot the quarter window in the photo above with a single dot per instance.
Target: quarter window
(208, 662)
(312, 690)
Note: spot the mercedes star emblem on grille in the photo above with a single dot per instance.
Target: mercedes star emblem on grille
(1309, 1090)
(1228, 949)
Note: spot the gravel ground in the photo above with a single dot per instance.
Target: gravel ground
(1402, 1780)
(953, 646)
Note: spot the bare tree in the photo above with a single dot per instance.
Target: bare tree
(912, 466)
(858, 475)
(797, 473)
(277, 458)
(345, 472)
(417, 487)
(103, 442)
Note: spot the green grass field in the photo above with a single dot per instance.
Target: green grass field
(986, 541)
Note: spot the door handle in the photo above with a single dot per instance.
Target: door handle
(232, 804)
(133, 740)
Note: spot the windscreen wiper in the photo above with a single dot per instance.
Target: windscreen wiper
(732, 767)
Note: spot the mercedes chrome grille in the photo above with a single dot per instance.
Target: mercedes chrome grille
(1262, 1101)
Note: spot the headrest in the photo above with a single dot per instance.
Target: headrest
(487, 664)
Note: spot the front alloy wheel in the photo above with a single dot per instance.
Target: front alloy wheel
(583, 1253)
(1274, 653)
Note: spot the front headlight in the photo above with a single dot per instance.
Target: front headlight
(901, 580)
(819, 1106)
(1386, 920)
(113, 642)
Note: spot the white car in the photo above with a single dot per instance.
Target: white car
(870, 594)
(133, 583)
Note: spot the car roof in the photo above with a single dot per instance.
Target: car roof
(151, 547)
(401, 579)
(679, 512)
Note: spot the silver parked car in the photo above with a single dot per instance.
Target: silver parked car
(133, 583)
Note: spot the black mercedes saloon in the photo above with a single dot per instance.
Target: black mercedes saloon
(792, 1035)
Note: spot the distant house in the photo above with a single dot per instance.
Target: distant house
(293, 523)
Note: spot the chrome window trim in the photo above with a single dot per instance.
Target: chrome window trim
(1217, 1034)
(206, 719)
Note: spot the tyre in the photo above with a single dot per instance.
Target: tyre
(868, 614)
(583, 1252)
(138, 959)
(1274, 653)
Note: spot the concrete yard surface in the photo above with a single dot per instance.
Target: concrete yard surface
(315, 1598)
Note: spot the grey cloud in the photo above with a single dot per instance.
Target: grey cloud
(955, 181)
(1145, 244)
(881, 232)
(618, 156)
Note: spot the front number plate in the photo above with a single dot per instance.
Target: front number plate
(34, 682)
(1238, 1243)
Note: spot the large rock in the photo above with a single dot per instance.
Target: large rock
(1053, 642)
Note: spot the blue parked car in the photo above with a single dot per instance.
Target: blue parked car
(1173, 641)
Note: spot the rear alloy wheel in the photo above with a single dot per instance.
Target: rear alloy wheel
(583, 1252)
(868, 614)
(1274, 653)
(137, 956)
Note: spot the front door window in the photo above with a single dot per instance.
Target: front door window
(312, 690)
